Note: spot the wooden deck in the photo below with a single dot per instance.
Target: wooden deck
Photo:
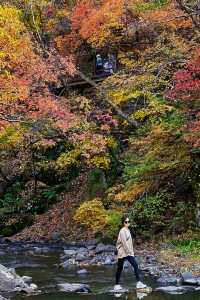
(79, 81)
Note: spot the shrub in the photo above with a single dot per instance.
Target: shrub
(114, 221)
(92, 214)
(96, 184)
(8, 231)
(149, 213)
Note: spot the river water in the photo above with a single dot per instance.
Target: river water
(46, 275)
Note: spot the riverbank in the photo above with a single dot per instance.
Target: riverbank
(166, 265)
(61, 269)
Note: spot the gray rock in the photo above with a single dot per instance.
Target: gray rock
(82, 271)
(100, 248)
(2, 253)
(93, 261)
(69, 253)
(150, 258)
(93, 242)
(2, 298)
(82, 250)
(166, 280)
(67, 263)
(198, 280)
(104, 248)
(188, 278)
(27, 279)
(33, 286)
(39, 251)
(10, 281)
(91, 247)
(74, 288)
(109, 248)
(56, 236)
(81, 257)
(171, 289)
(108, 261)
(153, 270)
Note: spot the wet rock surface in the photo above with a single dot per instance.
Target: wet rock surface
(176, 289)
(188, 278)
(74, 288)
(2, 298)
(11, 282)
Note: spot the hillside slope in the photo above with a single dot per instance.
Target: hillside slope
(58, 219)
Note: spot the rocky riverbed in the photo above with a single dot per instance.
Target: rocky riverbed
(54, 269)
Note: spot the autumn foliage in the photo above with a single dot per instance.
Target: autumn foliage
(135, 131)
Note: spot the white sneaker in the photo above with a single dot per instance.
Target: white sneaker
(141, 295)
(117, 288)
(141, 285)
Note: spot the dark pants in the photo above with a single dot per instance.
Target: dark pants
(120, 264)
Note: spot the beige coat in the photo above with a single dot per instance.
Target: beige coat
(124, 243)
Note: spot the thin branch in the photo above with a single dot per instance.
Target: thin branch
(190, 12)
(10, 119)
(34, 22)
(106, 98)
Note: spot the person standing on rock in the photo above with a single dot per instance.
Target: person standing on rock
(124, 247)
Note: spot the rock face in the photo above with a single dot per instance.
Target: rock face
(10, 282)
(74, 287)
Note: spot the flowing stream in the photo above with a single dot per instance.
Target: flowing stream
(46, 275)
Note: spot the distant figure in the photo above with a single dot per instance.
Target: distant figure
(107, 67)
(125, 251)
(99, 62)
(112, 61)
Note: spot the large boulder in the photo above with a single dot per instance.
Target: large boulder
(171, 289)
(74, 287)
(188, 278)
(166, 280)
(2, 298)
(10, 282)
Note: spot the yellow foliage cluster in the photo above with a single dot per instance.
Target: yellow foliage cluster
(11, 135)
(93, 215)
(111, 142)
(14, 40)
(16, 55)
(102, 162)
(132, 192)
(67, 159)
